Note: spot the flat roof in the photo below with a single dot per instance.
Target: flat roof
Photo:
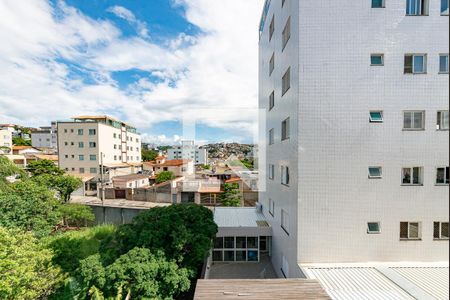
(259, 289)
(118, 203)
(383, 280)
(130, 177)
(238, 217)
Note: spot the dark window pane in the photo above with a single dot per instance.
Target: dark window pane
(217, 256)
(413, 230)
(444, 230)
(252, 242)
(416, 175)
(252, 255)
(408, 64)
(440, 175)
(241, 255)
(418, 120)
(229, 242)
(376, 60)
(436, 226)
(218, 242)
(407, 117)
(406, 176)
(228, 256)
(446, 175)
(241, 242)
(377, 3)
(373, 227)
(403, 230)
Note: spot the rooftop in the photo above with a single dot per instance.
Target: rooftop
(169, 163)
(130, 177)
(383, 280)
(238, 217)
(259, 289)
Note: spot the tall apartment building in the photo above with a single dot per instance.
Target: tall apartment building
(87, 142)
(188, 150)
(356, 101)
(45, 137)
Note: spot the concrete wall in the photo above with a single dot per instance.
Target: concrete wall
(114, 215)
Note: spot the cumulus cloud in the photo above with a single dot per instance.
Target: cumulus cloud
(56, 62)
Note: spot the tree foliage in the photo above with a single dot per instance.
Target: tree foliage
(74, 214)
(182, 231)
(149, 155)
(44, 166)
(18, 141)
(29, 206)
(25, 267)
(231, 195)
(164, 176)
(65, 185)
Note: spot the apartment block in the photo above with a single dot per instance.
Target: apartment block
(45, 137)
(5, 141)
(188, 150)
(88, 142)
(356, 100)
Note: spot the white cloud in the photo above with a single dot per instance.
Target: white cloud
(125, 14)
(161, 139)
(216, 69)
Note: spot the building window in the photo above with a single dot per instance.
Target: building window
(376, 116)
(375, 172)
(80, 131)
(285, 175)
(285, 221)
(443, 63)
(271, 171)
(92, 144)
(81, 170)
(373, 227)
(271, 28)
(93, 170)
(92, 131)
(92, 157)
(80, 145)
(115, 157)
(444, 7)
(377, 3)
(65, 130)
(415, 64)
(271, 136)
(80, 157)
(376, 59)
(114, 135)
(66, 156)
(271, 207)
(282, 2)
(412, 176)
(413, 120)
(286, 81)
(442, 120)
(285, 130)
(286, 33)
(272, 64)
(71, 130)
(410, 230)
(271, 100)
(115, 146)
(416, 7)
(440, 230)
(442, 176)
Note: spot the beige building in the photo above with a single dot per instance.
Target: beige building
(179, 167)
(88, 142)
(5, 141)
(130, 181)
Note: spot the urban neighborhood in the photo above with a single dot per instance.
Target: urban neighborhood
(341, 191)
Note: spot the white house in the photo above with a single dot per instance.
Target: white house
(188, 150)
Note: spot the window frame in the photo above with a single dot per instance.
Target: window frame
(409, 238)
(92, 156)
(445, 13)
(284, 221)
(374, 232)
(372, 120)
(272, 27)
(286, 82)
(446, 176)
(271, 207)
(413, 64)
(285, 39)
(383, 4)
(382, 59)
(411, 170)
(286, 129)
(424, 8)
(271, 172)
(271, 64)
(441, 55)
(271, 136)
(285, 175)
(440, 120)
(440, 237)
(271, 100)
(412, 112)
(375, 176)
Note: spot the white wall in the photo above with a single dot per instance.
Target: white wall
(41, 139)
(6, 140)
(332, 144)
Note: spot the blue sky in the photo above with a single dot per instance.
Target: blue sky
(150, 63)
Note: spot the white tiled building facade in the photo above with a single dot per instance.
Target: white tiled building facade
(5, 141)
(81, 143)
(356, 100)
(45, 137)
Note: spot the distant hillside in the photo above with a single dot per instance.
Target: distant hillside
(224, 150)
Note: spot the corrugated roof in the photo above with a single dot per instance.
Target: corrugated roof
(237, 216)
(381, 281)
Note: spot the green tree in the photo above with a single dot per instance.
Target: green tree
(140, 274)
(182, 231)
(8, 168)
(164, 176)
(149, 155)
(76, 214)
(18, 141)
(206, 167)
(231, 195)
(64, 184)
(44, 166)
(29, 206)
(26, 267)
